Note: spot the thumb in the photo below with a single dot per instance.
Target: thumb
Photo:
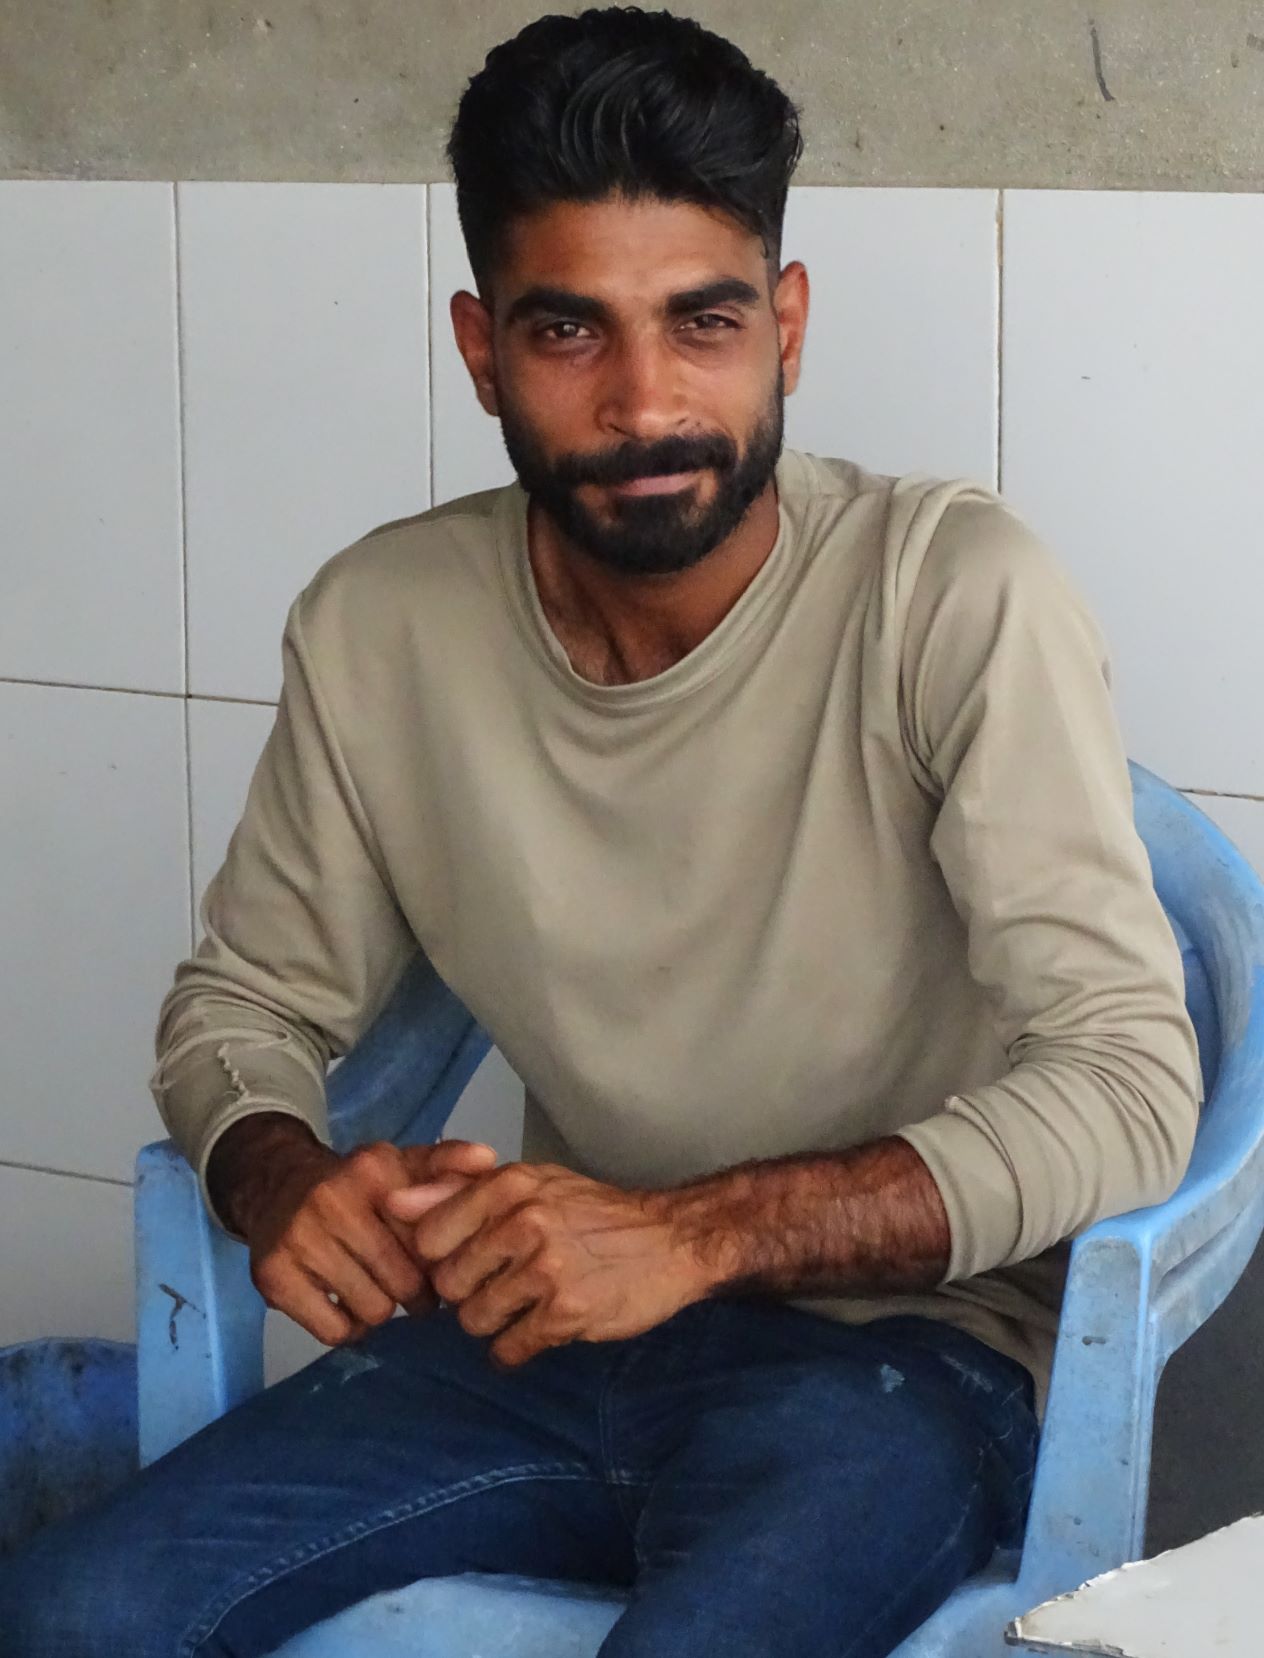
(461, 1157)
(412, 1202)
(447, 1157)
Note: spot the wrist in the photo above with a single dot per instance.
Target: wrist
(704, 1244)
(254, 1158)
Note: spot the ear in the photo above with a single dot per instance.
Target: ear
(790, 303)
(472, 325)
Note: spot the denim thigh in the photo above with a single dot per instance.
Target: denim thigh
(804, 1487)
(405, 1455)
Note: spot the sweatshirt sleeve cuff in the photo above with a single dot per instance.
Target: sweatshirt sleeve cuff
(240, 1080)
(978, 1186)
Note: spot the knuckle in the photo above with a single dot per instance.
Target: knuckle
(473, 1319)
(446, 1279)
(326, 1199)
(534, 1218)
(549, 1264)
(376, 1156)
(515, 1180)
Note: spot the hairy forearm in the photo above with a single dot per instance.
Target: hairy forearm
(865, 1221)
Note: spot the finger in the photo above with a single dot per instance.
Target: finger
(410, 1203)
(356, 1328)
(301, 1297)
(453, 1222)
(489, 1252)
(385, 1254)
(524, 1338)
(360, 1297)
(422, 1163)
(502, 1299)
(461, 1157)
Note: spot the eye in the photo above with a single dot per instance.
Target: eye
(563, 330)
(710, 322)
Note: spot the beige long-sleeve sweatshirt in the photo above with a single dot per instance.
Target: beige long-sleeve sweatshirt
(862, 863)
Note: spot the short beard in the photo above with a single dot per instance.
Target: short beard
(650, 535)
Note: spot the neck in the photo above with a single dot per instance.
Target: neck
(616, 628)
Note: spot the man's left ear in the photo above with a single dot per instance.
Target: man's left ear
(790, 304)
(472, 325)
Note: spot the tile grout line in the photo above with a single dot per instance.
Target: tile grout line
(184, 570)
(1223, 794)
(134, 691)
(428, 224)
(65, 1174)
(1000, 334)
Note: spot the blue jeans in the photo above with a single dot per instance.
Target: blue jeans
(763, 1480)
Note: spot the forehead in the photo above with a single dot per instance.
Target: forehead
(624, 252)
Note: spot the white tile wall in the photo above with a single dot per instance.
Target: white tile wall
(900, 366)
(89, 443)
(314, 407)
(468, 453)
(303, 311)
(94, 895)
(66, 1245)
(225, 741)
(1133, 381)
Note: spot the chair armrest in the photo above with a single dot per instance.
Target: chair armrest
(199, 1319)
(1139, 1285)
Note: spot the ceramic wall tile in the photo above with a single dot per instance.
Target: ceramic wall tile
(304, 329)
(90, 548)
(225, 742)
(94, 894)
(899, 367)
(468, 453)
(1133, 400)
(66, 1245)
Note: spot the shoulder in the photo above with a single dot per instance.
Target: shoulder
(405, 569)
(965, 551)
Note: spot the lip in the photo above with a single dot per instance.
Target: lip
(663, 483)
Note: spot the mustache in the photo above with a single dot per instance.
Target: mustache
(706, 452)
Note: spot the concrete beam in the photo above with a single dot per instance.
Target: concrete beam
(1138, 94)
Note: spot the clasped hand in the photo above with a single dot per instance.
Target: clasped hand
(534, 1256)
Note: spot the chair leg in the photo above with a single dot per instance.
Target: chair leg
(199, 1318)
(1092, 1478)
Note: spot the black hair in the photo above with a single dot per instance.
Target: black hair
(619, 101)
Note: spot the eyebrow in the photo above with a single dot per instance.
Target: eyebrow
(543, 300)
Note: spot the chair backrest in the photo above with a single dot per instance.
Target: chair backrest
(406, 1073)
(1215, 902)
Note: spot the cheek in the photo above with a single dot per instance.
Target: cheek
(558, 403)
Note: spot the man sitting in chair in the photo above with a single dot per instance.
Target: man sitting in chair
(773, 818)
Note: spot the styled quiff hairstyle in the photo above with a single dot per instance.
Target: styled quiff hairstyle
(619, 101)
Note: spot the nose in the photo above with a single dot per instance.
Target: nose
(642, 398)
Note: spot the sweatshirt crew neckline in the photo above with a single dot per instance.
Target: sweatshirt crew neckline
(740, 626)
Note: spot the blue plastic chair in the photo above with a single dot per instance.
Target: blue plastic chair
(1139, 1285)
